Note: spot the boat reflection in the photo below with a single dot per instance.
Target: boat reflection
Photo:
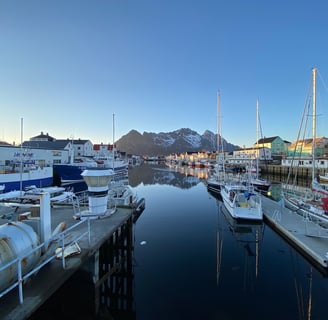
(245, 237)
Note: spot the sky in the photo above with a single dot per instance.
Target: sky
(68, 66)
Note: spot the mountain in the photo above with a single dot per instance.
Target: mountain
(178, 141)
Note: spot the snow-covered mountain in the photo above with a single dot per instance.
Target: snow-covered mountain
(178, 141)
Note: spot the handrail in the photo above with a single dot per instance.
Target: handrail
(60, 237)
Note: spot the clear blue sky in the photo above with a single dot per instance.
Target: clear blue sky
(66, 66)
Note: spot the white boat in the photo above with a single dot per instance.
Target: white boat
(11, 195)
(57, 194)
(313, 203)
(241, 201)
(15, 178)
(252, 171)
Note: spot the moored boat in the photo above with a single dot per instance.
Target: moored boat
(16, 179)
(242, 202)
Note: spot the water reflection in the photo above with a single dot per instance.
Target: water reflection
(183, 177)
(190, 260)
(245, 238)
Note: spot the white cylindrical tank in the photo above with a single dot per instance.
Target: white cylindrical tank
(17, 239)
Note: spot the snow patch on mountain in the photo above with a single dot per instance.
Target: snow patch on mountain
(193, 139)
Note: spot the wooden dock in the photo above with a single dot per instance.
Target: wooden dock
(52, 276)
(307, 237)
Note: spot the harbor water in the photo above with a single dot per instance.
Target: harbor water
(191, 261)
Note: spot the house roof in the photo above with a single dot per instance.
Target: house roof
(308, 141)
(4, 143)
(267, 140)
(43, 136)
(54, 145)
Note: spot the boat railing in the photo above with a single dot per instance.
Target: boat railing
(48, 246)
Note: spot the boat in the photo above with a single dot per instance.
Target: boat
(253, 171)
(242, 201)
(15, 177)
(71, 173)
(57, 194)
(215, 181)
(17, 174)
(312, 203)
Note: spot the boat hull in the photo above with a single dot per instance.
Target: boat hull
(69, 173)
(41, 177)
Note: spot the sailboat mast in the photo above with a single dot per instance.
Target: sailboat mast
(257, 138)
(21, 161)
(314, 116)
(218, 124)
(257, 123)
(113, 139)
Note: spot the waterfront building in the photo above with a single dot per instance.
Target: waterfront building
(303, 148)
(277, 145)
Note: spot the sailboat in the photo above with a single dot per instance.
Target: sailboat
(313, 204)
(258, 183)
(215, 182)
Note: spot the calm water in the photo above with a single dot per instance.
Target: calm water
(192, 262)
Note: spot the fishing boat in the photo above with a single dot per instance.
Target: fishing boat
(22, 170)
(312, 203)
(18, 177)
(71, 173)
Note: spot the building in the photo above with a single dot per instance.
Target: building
(277, 146)
(303, 148)
(245, 156)
(74, 148)
(11, 156)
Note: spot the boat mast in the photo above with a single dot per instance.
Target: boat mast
(257, 153)
(113, 139)
(21, 161)
(314, 115)
(218, 124)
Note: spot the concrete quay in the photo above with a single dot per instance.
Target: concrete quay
(310, 239)
(40, 286)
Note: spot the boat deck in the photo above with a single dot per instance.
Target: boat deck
(308, 238)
